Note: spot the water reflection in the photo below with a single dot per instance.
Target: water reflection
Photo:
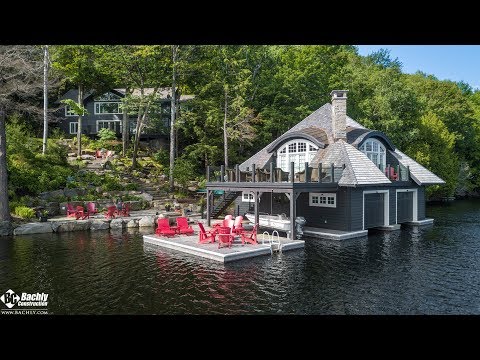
(431, 270)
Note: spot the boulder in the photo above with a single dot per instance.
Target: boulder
(192, 188)
(135, 205)
(74, 225)
(88, 157)
(51, 194)
(53, 208)
(70, 192)
(99, 225)
(132, 223)
(146, 196)
(147, 221)
(116, 224)
(6, 228)
(34, 228)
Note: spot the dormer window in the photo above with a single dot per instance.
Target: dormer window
(375, 151)
(297, 151)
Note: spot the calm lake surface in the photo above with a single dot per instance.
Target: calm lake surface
(413, 271)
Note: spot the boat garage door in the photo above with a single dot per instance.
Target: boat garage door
(373, 210)
(404, 207)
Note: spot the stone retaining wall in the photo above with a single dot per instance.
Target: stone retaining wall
(148, 221)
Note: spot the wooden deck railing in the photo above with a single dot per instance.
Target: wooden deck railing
(328, 174)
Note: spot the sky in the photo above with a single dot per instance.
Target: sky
(446, 62)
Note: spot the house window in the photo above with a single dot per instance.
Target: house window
(375, 151)
(73, 127)
(247, 196)
(108, 107)
(297, 151)
(323, 199)
(115, 125)
(69, 111)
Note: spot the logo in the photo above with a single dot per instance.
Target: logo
(10, 298)
(24, 303)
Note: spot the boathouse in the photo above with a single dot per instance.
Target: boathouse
(337, 174)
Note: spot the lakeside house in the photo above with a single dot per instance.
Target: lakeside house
(337, 174)
(105, 111)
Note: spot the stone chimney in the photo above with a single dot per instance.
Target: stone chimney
(339, 114)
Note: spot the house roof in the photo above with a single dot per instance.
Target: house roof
(313, 133)
(418, 173)
(357, 137)
(163, 93)
(320, 119)
(359, 169)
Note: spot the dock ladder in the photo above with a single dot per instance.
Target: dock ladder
(275, 244)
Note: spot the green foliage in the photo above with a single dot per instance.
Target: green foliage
(162, 157)
(131, 186)
(182, 172)
(29, 171)
(76, 107)
(24, 212)
(105, 135)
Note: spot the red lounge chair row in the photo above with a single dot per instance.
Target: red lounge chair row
(182, 227)
(79, 211)
(225, 235)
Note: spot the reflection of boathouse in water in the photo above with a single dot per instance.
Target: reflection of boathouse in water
(346, 178)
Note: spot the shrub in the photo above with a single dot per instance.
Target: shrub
(162, 157)
(24, 212)
(105, 135)
(182, 172)
(131, 186)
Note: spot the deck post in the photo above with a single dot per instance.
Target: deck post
(208, 207)
(253, 173)
(222, 173)
(256, 207)
(332, 168)
(293, 207)
(237, 173)
(208, 173)
(319, 172)
(292, 172)
(307, 173)
(271, 172)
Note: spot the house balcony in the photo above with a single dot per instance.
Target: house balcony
(274, 177)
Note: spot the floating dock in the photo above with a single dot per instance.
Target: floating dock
(190, 245)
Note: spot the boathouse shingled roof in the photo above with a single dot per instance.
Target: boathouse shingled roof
(320, 118)
(359, 169)
(418, 173)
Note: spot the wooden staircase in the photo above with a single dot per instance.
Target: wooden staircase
(224, 203)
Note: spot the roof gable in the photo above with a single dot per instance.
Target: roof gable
(418, 173)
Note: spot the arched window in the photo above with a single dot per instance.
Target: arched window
(375, 152)
(297, 151)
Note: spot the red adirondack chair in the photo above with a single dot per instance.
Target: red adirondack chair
(391, 174)
(125, 209)
(205, 236)
(71, 211)
(225, 236)
(183, 227)
(238, 227)
(110, 213)
(164, 228)
(91, 208)
(80, 213)
(250, 236)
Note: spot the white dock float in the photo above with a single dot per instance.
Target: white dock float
(428, 221)
(190, 245)
(333, 234)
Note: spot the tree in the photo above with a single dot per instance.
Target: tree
(45, 98)
(78, 64)
(143, 71)
(173, 113)
(20, 80)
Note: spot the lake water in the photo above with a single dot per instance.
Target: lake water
(434, 270)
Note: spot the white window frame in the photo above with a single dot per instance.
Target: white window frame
(99, 103)
(322, 196)
(109, 121)
(75, 123)
(386, 206)
(248, 196)
(370, 153)
(285, 158)
(415, 203)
